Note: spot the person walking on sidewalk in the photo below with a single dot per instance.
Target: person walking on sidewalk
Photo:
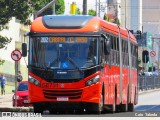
(3, 81)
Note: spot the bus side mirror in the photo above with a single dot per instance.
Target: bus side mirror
(107, 45)
(24, 49)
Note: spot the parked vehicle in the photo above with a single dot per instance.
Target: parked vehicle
(21, 95)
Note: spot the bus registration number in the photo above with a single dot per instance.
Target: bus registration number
(62, 98)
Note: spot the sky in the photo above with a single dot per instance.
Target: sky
(90, 5)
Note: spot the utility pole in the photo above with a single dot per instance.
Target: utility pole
(99, 6)
(84, 7)
(96, 8)
(125, 13)
(143, 44)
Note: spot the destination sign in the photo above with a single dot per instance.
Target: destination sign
(68, 39)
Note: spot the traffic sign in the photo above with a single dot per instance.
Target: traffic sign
(153, 56)
(152, 53)
(16, 55)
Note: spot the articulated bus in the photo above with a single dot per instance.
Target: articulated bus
(81, 63)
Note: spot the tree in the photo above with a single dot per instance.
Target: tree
(92, 12)
(21, 10)
(59, 7)
(78, 12)
(115, 20)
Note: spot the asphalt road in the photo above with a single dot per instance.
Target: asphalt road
(149, 103)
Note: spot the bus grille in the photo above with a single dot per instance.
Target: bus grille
(71, 94)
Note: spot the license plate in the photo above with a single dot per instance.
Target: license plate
(62, 98)
(26, 101)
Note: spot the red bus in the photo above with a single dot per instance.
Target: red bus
(81, 63)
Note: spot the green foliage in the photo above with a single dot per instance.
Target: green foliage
(115, 20)
(1, 61)
(60, 7)
(78, 12)
(4, 41)
(21, 10)
(92, 12)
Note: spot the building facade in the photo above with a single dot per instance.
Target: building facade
(135, 15)
(16, 32)
(151, 16)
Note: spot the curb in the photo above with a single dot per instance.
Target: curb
(147, 91)
(16, 109)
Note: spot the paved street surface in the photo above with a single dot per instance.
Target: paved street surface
(148, 102)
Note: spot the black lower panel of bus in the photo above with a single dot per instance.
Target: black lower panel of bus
(65, 107)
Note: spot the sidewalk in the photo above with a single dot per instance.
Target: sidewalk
(6, 105)
(6, 100)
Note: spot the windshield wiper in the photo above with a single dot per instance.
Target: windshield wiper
(73, 63)
(56, 60)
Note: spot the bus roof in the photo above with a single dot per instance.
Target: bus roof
(76, 23)
(65, 23)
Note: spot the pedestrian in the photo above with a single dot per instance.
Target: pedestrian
(3, 81)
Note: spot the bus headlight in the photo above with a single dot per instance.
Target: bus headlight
(33, 80)
(92, 81)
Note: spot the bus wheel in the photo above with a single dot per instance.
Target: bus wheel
(123, 107)
(112, 107)
(101, 105)
(130, 107)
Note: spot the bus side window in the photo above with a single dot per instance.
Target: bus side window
(108, 56)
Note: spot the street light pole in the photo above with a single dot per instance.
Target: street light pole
(84, 7)
(144, 64)
(99, 6)
(125, 13)
(96, 8)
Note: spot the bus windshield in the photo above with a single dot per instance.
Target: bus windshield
(63, 52)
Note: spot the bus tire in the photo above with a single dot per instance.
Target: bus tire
(123, 107)
(112, 108)
(96, 108)
(130, 107)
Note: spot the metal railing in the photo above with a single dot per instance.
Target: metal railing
(148, 82)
